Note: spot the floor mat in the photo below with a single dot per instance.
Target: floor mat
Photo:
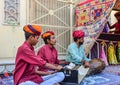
(107, 77)
(6, 79)
(112, 69)
(101, 79)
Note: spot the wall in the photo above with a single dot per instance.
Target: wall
(11, 36)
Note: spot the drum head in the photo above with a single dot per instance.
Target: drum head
(96, 66)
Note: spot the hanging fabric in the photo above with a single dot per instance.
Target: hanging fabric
(118, 51)
(91, 17)
(111, 54)
(106, 28)
(102, 53)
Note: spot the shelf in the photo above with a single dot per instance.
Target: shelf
(109, 36)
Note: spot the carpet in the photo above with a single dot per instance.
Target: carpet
(101, 79)
(112, 69)
(109, 76)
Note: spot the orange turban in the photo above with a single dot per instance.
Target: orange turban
(117, 14)
(33, 29)
(78, 33)
(46, 34)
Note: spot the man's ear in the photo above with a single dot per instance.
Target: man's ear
(48, 40)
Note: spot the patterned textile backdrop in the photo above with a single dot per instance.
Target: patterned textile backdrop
(91, 16)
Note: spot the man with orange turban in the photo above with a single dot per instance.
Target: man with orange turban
(117, 24)
(75, 51)
(49, 54)
(26, 60)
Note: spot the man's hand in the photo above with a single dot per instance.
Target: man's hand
(59, 67)
(51, 72)
(86, 64)
(83, 62)
(64, 62)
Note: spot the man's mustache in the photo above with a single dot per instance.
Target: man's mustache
(81, 43)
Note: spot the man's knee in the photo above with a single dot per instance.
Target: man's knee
(61, 75)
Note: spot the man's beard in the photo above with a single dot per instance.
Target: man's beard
(81, 43)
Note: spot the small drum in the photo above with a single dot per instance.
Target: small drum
(96, 66)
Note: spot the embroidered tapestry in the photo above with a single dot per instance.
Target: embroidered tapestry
(91, 16)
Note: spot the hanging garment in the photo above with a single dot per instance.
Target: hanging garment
(118, 52)
(103, 55)
(106, 28)
(111, 54)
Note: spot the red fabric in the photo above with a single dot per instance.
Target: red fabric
(49, 54)
(50, 32)
(6, 74)
(117, 27)
(46, 34)
(25, 63)
(78, 33)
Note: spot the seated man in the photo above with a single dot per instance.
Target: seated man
(49, 54)
(75, 51)
(26, 60)
(76, 54)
